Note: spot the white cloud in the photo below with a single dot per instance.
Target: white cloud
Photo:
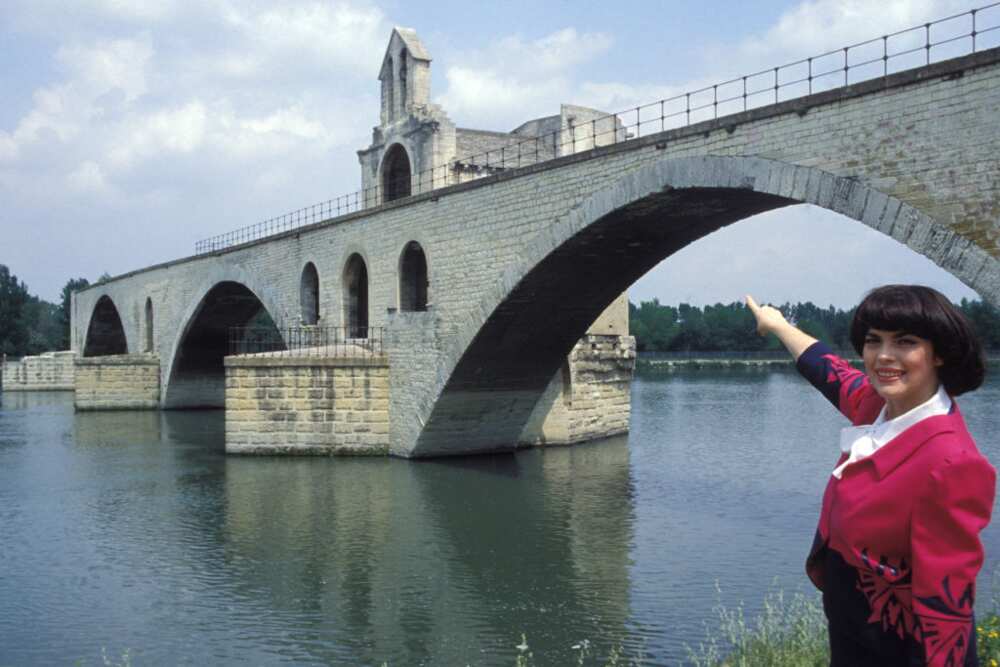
(135, 10)
(106, 66)
(8, 147)
(87, 178)
(817, 26)
(513, 80)
(333, 34)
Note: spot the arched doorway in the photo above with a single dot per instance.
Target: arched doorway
(309, 294)
(395, 174)
(148, 347)
(105, 334)
(413, 278)
(356, 297)
(227, 317)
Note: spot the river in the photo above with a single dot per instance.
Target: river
(134, 531)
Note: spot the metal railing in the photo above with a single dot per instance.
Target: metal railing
(949, 37)
(307, 341)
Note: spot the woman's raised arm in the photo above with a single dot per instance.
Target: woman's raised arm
(771, 321)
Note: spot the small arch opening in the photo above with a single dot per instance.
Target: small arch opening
(356, 297)
(309, 294)
(105, 334)
(387, 93)
(396, 174)
(413, 278)
(148, 347)
(403, 76)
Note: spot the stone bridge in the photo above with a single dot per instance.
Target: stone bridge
(520, 263)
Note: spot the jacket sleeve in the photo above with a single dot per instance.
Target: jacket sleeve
(947, 556)
(847, 388)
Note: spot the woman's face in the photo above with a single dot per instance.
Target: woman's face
(902, 368)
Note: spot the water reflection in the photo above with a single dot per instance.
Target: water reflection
(435, 562)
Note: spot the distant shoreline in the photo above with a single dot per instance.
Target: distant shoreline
(668, 361)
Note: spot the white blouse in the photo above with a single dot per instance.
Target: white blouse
(862, 441)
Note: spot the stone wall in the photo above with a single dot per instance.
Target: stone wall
(307, 405)
(118, 382)
(51, 371)
(590, 398)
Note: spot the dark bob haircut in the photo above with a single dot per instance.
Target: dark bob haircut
(926, 313)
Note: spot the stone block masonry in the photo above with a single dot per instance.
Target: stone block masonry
(118, 382)
(590, 398)
(307, 405)
(51, 371)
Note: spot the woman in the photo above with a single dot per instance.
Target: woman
(897, 548)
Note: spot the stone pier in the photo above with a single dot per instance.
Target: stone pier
(307, 405)
(118, 382)
(590, 397)
(51, 371)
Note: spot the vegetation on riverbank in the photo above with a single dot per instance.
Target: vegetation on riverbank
(731, 328)
(789, 632)
(29, 324)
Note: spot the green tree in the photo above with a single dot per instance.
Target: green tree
(13, 328)
(65, 314)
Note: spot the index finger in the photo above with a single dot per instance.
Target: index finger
(751, 304)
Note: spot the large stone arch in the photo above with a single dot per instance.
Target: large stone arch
(238, 285)
(105, 333)
(498, 363)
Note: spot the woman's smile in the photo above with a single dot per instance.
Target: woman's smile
(902, 368)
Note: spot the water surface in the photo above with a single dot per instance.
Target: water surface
(134, 530)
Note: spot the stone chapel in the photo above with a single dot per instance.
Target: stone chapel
(416, 147)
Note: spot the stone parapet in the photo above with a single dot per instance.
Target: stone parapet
(304, 405)
(590, 398)
(51, 371)
(118, 382)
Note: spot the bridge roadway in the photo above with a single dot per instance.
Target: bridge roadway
(520, 263)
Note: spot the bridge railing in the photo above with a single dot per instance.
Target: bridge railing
(949, 37)
(307, 341)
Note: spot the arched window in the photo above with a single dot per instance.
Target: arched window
(309, 294)
(395, 174)
(149, 325)
(413, 278)
(356, 297)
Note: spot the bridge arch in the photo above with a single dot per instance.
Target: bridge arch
(309, 294)
(413, 278)
(193, 376)
(396, 173)
(105, 333)
(355, 296)
(527, 322)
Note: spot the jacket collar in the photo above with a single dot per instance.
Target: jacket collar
(890, 455)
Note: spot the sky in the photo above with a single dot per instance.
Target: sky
(130, 129)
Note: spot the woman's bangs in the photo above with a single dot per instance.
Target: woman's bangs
(895, 310)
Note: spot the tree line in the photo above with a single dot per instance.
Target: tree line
(29, 324)
(731, 327)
